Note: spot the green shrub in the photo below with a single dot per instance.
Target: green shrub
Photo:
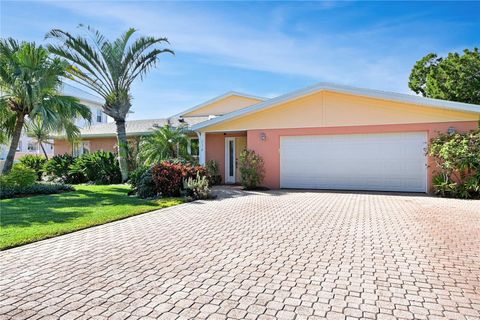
(197, 188)
(34, 162)
(252, 169)
(146, 187)
(58, 168)
(19, 177)
(457, 158)
(136, 175)
(34, 189)
(213, 173)
(100, 167)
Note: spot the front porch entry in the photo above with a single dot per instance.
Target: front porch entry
(233, 148)
(225, 148)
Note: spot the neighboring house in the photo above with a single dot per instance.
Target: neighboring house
(325, 136)
(27, 145)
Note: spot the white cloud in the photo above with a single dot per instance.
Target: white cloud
(358, 58)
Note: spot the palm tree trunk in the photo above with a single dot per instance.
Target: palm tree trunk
(17, 133)
(122, 148)
(43, 149)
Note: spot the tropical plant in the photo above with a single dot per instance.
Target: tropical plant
(29, 81)
(457, 158)
(197, 188)
(455, 77)
(164, 143)
(168, 177)
(34, 162)
(252, 169)
(146, 187)
(19, 177)
(100, 167)
(213, 172)
(109, 69)
(58, 169)
(39, 133)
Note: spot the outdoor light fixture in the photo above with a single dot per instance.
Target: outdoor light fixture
(451, 130)
(263, 136)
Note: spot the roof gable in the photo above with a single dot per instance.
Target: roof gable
(223, 104)
(368, 93)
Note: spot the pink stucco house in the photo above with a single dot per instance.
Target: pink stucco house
(328, 136)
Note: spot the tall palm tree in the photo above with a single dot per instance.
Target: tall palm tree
(29, 81)
(109, 69)
(164, 143)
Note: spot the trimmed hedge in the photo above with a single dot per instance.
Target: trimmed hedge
(34, 189)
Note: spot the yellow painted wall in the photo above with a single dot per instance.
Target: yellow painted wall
(331, 109)
(223, 106)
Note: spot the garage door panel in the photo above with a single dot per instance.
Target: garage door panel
(390, 162)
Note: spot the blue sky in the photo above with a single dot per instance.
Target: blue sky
(262, 48)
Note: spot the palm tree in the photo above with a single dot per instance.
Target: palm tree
(109, 69)
(164, 143)
(40, 133)
(29, 82)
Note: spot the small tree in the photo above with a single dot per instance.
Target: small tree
(163, 144)
(252, 169)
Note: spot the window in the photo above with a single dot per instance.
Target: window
(32, 146)
(80, 148)
(194, 147)
(99, 115)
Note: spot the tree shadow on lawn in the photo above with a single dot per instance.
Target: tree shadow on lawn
(65, 207)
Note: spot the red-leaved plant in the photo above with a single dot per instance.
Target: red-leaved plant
(168, 177)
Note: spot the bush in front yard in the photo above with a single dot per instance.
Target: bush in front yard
(213, 173)
(164, 179)
(34, 162)
(252, 169)
(457, 157)
(58, 169)
(168, 178)
(34, 189)
(100, 167)
(197, 188)
(19, 177)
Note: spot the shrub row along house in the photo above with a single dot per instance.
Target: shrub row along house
(325, 136)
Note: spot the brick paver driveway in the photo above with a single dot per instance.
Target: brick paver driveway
(268, 255)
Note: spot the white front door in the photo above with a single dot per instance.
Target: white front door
(230, 165)
(385, 162)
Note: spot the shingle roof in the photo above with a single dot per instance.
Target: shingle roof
(136, 127)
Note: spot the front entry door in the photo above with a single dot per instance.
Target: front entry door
(230, 163)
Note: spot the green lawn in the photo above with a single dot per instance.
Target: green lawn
(25, 220)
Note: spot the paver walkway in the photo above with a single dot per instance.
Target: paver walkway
(284, 255)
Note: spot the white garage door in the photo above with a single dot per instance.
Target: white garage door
(385, 162)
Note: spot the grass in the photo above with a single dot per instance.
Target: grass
(26, 220)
